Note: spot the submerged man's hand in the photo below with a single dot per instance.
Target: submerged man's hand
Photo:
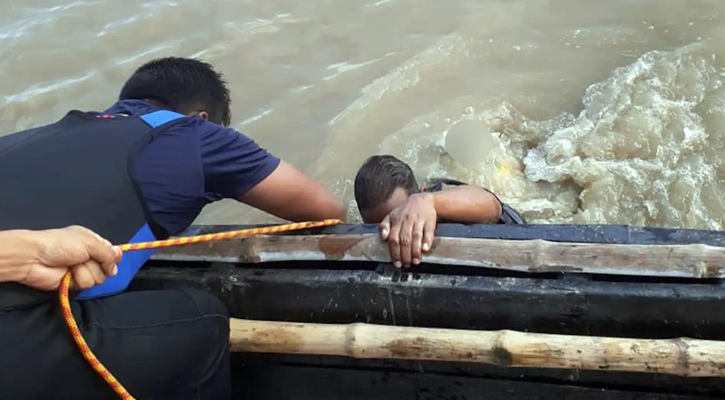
(54, 252)
(410, 229)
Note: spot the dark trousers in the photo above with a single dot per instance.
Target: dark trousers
(166, 345)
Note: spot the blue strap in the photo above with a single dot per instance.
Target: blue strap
(160, 117)
(128, 267)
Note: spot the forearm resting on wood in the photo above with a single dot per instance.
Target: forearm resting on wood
(468, 204)
(313, 204)
(17, 252)
(288, 193)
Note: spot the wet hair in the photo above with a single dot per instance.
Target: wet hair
(378, 178)
(182, 85)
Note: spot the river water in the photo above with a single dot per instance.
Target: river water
(600, 111)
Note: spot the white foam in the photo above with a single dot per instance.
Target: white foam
(640, 152)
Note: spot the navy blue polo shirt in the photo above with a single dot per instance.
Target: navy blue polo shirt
(193, 164)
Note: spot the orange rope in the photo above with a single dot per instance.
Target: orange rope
(65, 286)
(228, 235)
(83, 346)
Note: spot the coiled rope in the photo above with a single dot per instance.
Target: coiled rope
(65, 286)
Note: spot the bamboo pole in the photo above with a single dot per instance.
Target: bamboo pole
(684, 261)
(681, 357)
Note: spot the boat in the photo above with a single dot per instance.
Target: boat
(333, 289)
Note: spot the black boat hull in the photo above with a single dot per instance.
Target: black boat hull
(463, 298)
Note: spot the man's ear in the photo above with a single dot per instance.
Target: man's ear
(201, 114)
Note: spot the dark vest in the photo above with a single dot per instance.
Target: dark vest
(509, 216)
(81, 171)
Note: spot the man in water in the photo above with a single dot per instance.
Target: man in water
(141, 170)
(387, 193)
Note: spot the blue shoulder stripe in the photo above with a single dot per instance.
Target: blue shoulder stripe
(128, 267)
(158, 118)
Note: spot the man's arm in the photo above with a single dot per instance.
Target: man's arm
(410, 228)
(467, 204)
(17, 252)
(288, 193)
(40, 259)
(236, 167)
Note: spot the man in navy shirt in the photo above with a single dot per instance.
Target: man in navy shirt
(141, 170)
(201, 160)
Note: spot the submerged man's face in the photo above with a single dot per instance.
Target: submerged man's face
(376, 215)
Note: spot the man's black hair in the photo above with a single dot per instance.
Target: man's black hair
(378, 178)
(183, 85)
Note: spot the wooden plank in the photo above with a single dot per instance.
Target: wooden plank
(683, 261)
(681, 357)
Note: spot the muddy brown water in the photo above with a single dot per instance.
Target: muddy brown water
(599, 111)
